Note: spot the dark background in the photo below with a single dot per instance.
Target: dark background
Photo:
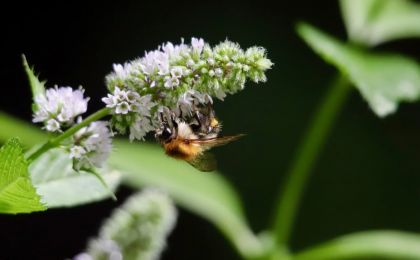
(368, 176)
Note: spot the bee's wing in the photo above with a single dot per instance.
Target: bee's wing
(205, 162)
(217, 141)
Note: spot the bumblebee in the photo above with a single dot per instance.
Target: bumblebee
(190, 137)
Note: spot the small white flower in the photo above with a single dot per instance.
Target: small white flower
(110, 101)
(122, 108)
(77, 152)
(121, 95)
(220, 94)
(132, 96)
(175, 52)
(120, 70)
(144, 105)
(177, 72)
(155, 61)
(171, 82)
(197, 44)
(211, 61)
(52, 125)
(211, 73)
(168, 48)
(83, 256)
(62, 104)
(190, 63)
(132, 111)
(152, 84)
(94, 144)
(218, 72)
(190, 99)
(140, 127)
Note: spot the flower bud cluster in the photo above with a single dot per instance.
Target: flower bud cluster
(91, 146)
(137, 230)
(58, 107)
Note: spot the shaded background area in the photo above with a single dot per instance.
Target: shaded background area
(368, 176)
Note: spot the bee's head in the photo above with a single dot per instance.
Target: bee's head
(204, 122)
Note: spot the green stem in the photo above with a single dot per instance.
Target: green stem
(68, 133)
(306, 157)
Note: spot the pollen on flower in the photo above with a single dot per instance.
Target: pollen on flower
(58, 107)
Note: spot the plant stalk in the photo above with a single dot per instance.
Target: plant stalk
(307, 154)
(54, 142)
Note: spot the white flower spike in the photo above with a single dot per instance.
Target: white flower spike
(179, 77)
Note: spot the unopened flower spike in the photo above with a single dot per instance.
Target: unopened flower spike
(179, 77)
(58, 107)
(137, 230)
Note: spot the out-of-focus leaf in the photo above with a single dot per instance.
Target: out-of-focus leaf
(384, 80)
(28, 134)
(366, 245)
(37, 87)
(206, 194)
(60, 186)
(372, 22)
(17, 194)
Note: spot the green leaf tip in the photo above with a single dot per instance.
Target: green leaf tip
(37, 86)
(103, 182)
(380, 244)
(383, 79)
(17, 193)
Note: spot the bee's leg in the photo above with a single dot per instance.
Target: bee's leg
(161, 117)
(210, 110)
(180, 112)
(198, 117)
(174, 119)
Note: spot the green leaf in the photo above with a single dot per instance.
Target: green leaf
(384, 80)
(61, 186)
(28, 134)
(37, 87)
(366, 245)
(372, 22)
(206, 194)
(17, 194)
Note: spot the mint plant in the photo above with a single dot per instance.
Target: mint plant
(75, 161)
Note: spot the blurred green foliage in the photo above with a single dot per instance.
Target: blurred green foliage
(367, 161)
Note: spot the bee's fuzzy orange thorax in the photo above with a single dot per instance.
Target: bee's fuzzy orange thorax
(182, 149)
